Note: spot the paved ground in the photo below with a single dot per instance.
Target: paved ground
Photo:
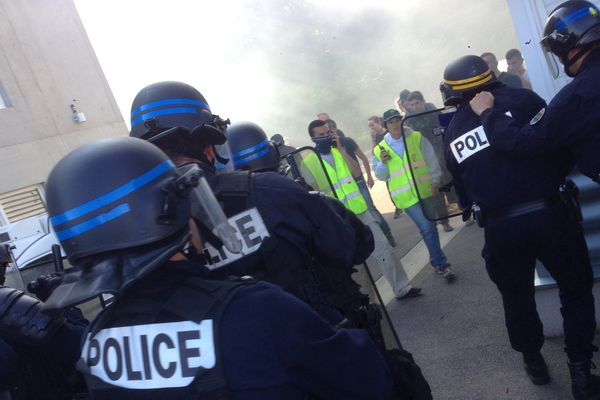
(457, 334)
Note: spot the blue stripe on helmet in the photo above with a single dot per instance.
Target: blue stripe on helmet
(573, 17)
(165, 111)
(252, 149)
(93, 222)
(246, 160)
(117, 194)
(168, 102)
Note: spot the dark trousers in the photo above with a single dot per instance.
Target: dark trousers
(510, 251)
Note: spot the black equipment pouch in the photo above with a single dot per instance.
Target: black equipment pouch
(569, 194)
(234, 191)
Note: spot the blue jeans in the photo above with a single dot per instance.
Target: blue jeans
(428, 230)
(364, 190)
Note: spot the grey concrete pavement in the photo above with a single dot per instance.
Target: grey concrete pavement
(457, 334)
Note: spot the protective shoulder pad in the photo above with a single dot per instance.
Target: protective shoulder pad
(22, 319)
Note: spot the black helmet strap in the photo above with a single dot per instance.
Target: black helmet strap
(570, 61)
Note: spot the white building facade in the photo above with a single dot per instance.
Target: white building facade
(53, 98)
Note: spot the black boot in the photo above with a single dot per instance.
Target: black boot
(536, 368)
(584, 385)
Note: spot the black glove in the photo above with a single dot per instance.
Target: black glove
(22, 319)
(44, 285)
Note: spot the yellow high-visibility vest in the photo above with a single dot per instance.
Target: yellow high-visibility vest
(400, 181)
(345, 186)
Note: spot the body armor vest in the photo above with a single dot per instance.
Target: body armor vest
(146, 344)
(275, 261)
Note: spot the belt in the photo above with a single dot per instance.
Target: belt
(521, 209)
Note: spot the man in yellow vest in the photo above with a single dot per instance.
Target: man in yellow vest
(391, 164)
(340, 168)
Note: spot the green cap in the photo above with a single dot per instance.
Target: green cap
(391, 113)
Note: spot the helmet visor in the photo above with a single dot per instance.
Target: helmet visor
(223, 162)
(204, 207)
(555, 43)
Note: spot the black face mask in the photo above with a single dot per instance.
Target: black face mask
(323, 144)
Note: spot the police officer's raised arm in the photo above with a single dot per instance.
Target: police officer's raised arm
(543, 133)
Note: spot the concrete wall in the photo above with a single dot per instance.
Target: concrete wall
(46, 64)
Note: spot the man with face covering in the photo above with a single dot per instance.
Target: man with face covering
(338, 165)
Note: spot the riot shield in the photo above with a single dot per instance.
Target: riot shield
(13, 275)
(305, 166)
(430, 179)
(356, 296)
(381, 328)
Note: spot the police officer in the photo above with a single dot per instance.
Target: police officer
(171, 333)
(525, 220)
(285, 226)
(570, 125)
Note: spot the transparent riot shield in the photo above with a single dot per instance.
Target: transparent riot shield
(13, 277)
(374, 316)
(429, 177)
(305, 166)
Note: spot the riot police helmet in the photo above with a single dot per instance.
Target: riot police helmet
(573, 24)
(464, 77)
(120, 208)
(250, 148)
(174, 110)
